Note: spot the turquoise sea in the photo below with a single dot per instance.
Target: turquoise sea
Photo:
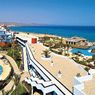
(87, 32)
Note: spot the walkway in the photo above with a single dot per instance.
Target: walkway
(9, 86)
(24, 75)
(13, 64)
(36, 93)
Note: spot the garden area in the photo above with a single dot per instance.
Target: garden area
(55, 44)
(88, 62)
(13, 50)
(58, 46)
(20, 90)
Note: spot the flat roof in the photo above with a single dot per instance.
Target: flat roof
(75, 39)
(89, 86)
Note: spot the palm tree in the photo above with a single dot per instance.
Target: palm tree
(17, 79)
(61, 42)
(93, 58)
(60, 51)
(46, 53)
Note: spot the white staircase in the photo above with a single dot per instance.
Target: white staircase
(44, 86)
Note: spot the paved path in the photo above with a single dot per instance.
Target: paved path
(24, 75)
(36, 93)
(0, 92)
(9, 86)
(13, 64)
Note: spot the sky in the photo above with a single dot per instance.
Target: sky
(52, 12)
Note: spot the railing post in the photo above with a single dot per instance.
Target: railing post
(44, 93)
(32, 90)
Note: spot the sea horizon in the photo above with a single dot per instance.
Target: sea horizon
(87, 32)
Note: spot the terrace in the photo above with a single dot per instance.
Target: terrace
(66, 65)
(4, 72)
(59, 61)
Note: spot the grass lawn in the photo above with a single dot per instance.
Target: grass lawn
(20, 90)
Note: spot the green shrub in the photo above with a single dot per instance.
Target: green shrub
(93, 50)
(87, 69)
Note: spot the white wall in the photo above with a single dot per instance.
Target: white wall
(79, 84)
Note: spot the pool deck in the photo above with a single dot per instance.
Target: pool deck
(8, 65)
(85, 52)
(13, 64)
(5, 72)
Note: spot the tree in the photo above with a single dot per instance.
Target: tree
(60, 50)
(93, 50)
(15, 53)
(94, 63)
(93, 57)
(46, 53)
(16, 79)
(3, 92)
(61, 42)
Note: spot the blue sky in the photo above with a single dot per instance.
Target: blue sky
(59, 12)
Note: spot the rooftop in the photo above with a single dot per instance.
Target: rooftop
(75, 39)
(68, 68)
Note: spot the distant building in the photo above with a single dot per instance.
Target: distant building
(6, 36)
(77, 42)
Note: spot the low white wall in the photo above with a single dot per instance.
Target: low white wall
(85, 78)
(92, 71)
(79, 85)
(76, 81)
(78, 91)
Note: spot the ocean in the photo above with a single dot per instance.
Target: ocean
(87, 32)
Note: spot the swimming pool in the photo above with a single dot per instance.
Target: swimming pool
(1, 69)
(85, 52)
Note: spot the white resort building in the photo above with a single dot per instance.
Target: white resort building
(47, 79)
(77, 42)
(6, 36)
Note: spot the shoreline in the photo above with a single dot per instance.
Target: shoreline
(51, 35)
(60, 33)
(38, 34)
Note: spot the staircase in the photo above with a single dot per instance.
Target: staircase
(44, 86)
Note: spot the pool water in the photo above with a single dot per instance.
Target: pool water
(85, 52)
(1, 69)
